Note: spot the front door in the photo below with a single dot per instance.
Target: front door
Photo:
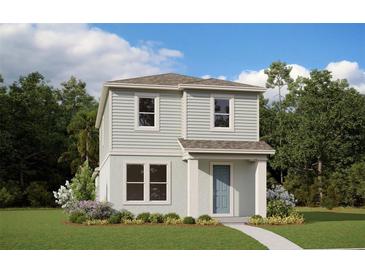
(221, 189)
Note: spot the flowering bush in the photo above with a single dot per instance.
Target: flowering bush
(278, 192)
(206, 220)
(133, 222)
(171, 215)
(256, 220)
(173, 221)
(293, 218)
(92, 209)
(278, 208)
(64, 196)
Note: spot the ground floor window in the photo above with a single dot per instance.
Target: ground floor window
(146, 182)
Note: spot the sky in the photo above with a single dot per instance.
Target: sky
(96, 53)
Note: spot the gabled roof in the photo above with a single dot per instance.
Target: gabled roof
(174, 79)
(220, 146)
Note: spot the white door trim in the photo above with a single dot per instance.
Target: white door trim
(231, 202)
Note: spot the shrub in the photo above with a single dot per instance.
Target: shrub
(77, 217)
(207, 222)
(38, 195)
(173, 221)
(189, 220)
(64, 195)
(126, 215)
(116, 218)
(133, 222)
(96, 222)
(278, 208)
(82, 184)
(256, 220)
(10, 194)
(204, 218)
(6, 198)
(330, 198)
(293, 218)
(171, 215)
(92, 209)
(145, 216)
(156, 218)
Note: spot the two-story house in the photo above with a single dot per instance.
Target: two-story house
(174, 143)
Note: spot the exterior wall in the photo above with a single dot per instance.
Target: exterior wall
(105, 132)
(103, 181)
(243, 187)
(245, 119)
(125, 136)
(178, 185)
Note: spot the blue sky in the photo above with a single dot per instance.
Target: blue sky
(227, 49)
(96, 53)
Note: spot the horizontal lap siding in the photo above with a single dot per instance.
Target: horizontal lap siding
(245, 120)
(124, 134)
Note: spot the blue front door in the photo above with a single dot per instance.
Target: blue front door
(221, 189)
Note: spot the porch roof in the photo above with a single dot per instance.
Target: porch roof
(222, 146)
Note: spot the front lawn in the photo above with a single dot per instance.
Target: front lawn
(337, 228)
(45, 229)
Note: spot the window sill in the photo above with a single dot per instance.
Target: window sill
(147, 129)
(147, 203)
(220, 129)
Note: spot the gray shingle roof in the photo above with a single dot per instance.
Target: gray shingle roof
(173, 79)
(190, 144)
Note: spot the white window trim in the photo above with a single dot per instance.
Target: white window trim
(146, 183)
(156, 97)
(231, 112)
(231, 202)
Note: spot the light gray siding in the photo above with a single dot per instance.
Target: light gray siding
(178, 185)
(245, 117)
(104, 132)
(124, 135)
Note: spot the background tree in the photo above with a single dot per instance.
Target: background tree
(329, 133)
(82, 129)
(278, 77)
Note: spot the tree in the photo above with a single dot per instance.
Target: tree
(279, 76)
(79, 107)
(74, 97)
(329, 132)
(82, 184)
(82, 129)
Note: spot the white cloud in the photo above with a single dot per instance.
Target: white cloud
(350, 71)
(91, 54)
(340, 70)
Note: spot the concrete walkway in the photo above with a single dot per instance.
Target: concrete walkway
(267, 238)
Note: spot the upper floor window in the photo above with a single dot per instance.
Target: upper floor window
(222, 113)
(147, 111)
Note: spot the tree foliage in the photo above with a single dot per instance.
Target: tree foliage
(82, 185)
(34, 121)
(323, 121)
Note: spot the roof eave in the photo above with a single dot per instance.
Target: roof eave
(231, 151)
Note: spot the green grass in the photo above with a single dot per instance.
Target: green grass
(46, 229)
(337, 228)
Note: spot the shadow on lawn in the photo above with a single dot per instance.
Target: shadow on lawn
(314, 217)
